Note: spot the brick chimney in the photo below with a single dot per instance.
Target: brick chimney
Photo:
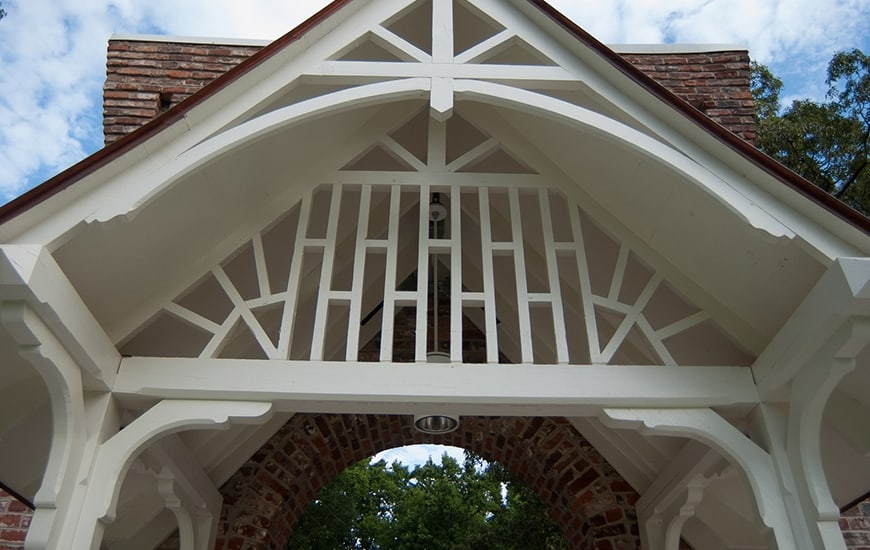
(148, 75)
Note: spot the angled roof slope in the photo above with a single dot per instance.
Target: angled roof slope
(101, 158)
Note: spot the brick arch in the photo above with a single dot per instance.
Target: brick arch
(267, 496)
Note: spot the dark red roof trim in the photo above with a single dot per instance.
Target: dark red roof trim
(107, 154)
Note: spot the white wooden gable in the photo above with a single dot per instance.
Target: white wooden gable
(638, 270)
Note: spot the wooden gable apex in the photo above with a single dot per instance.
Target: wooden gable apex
(299, 38)
(245, 149)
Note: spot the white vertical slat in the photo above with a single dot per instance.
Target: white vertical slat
(559, 330)
(455, 275)
(488, 278)
(618, 273)
(285, 336)
(585, 287)
(442, 31)
(422, 334)
(437, 151)
(525, 327)
(260, 262)
(389, 311)
(360, 252)
(325, 286)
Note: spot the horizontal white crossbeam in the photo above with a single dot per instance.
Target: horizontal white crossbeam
(389, 69)
(393, 388)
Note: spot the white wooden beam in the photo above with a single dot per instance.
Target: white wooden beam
(69, 435)
(30, 274)
(396, 388)
(442, 31)
(114, 456)
(364, 71)
(187, 492)
(843, 291)
(708, 427)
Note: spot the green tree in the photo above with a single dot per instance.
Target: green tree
(450, 506)
(827, 142)
(2, 11)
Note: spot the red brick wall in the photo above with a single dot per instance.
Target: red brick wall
(855, 525)
(145, 78)
(265, 498)
(717, 84)
(14, 522)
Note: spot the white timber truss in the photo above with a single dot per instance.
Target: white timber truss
(334, 297)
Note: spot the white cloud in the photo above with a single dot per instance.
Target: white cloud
(52, 53)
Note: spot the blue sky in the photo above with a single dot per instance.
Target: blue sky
(52, 53)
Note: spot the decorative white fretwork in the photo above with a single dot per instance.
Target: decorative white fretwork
(527, 274)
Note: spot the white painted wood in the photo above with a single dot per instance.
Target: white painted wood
(681, 325)
(559, 330)
(441, 98)
(666, 505)
(525, 326)
(811, 391)
(456, 293)
(63, 380)
(402, 153)
(464, 180)
(188, 492)
(656, 342)
(548, 390)
(219, 340)
(288, 318)
(246, 314)
(388, 318)
(706, 426)
(362, 246)
(437, 133)
(560, 111)
(488, 278)
(618, 273)
(842, 290)
(442, 31)
(192, 317)
(114, 456)
(477, 152)
(324, 295)
(585, 288)
(260, 263)
(631, 318)
(483, 50)
(362, 72)
(30, 273)
(398, 46)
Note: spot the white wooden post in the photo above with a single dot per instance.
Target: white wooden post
(793, 437)
(114, 456)
(706, 426)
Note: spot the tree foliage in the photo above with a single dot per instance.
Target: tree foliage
(826, 142)
(2, 11)
(439, 507)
